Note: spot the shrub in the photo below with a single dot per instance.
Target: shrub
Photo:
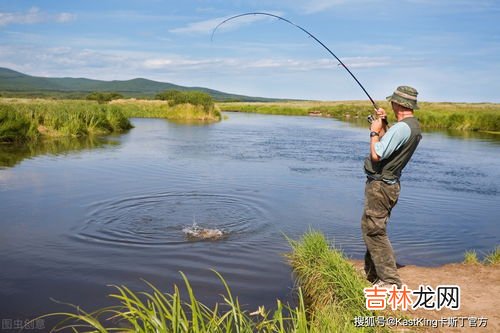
(103, 97)
(175, 97)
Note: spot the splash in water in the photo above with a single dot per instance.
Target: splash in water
(195, 232)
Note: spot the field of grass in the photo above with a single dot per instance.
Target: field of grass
(132, 108)
(453, 116)
(329, 296)
(27, 119)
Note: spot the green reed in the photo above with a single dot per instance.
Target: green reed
(156, 311)
(470, 257)
(491, 258)
(333, 289)
(164, 109)
(59, 118)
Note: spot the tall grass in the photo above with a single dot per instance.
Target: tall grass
(60, 118)
(164, 109)
(333, 289)
(14, 127)
(470, 258)
(156, 311)
(457, 116)
(493, 258)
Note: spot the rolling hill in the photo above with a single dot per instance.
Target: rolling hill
(13, 83)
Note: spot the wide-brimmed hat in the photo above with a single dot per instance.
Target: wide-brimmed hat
(405, 96)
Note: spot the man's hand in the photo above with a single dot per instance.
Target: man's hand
(381, 113)
(376, 125)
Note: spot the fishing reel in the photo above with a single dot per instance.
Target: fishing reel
(371, 118)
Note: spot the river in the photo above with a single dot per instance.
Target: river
(77, 217)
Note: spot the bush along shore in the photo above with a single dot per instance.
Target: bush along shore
(483, 117)
(329, 296)
(29, 119)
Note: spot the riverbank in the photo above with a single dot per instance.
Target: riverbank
(484, 117)
(328, 279)
(30, 119)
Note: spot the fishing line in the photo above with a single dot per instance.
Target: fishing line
(308, 33)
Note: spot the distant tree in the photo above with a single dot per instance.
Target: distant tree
(103, 97)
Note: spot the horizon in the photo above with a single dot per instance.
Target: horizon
(448, 50)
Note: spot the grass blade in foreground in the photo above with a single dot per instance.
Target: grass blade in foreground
(159, 312)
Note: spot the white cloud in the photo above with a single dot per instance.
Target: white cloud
(316, 6)
(238, 64)
(65, 17)
(207, 26)
(32, 16)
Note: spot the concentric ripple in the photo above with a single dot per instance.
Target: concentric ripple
(159, 219)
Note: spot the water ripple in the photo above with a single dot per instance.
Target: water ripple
(159, 219)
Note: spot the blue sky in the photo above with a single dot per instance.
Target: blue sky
(448, 49)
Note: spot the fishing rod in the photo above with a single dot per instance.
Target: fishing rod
(310, 35)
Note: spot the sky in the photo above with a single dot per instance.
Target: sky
(449, 50)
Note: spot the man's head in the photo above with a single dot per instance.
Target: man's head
(404, 98)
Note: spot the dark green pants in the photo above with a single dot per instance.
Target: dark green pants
(380, 262)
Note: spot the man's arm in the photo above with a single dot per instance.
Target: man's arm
(378, 126)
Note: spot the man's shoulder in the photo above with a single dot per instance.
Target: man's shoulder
(400, 128)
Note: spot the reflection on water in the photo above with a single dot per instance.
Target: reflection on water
(12, 154)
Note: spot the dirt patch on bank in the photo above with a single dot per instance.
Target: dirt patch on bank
(479, 295)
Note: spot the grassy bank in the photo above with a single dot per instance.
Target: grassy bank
(329, 296)
(161, 109)
(453, 116)
(28, 119)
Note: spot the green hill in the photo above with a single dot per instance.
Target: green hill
(14, 83)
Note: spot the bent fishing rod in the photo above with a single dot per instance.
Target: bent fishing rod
(310, 35)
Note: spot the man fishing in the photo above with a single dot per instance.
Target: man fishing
(390, 151)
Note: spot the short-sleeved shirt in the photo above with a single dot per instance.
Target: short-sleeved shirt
(395, 137)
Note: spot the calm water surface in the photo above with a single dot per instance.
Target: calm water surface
(76, 217)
